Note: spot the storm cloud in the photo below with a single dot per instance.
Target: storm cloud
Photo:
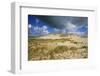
(60, 24)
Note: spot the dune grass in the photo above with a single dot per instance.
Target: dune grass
(52, 49)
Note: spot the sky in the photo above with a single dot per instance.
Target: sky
(39, 25)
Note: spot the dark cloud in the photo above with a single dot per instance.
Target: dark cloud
(57, 24)
(60, 22)
(79, 21)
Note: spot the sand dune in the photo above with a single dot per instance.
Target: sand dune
(58, 46)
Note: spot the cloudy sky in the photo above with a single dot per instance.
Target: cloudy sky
(39, 25)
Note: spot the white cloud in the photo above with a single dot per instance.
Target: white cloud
(36, 30)
(63, 31)
(44, 30)
(56, 30)
(29, 26)
(45, 27)
(70, 26)
(81, 33)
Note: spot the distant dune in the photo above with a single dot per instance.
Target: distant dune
(60, 36)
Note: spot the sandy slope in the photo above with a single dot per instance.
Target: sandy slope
(56, 46)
